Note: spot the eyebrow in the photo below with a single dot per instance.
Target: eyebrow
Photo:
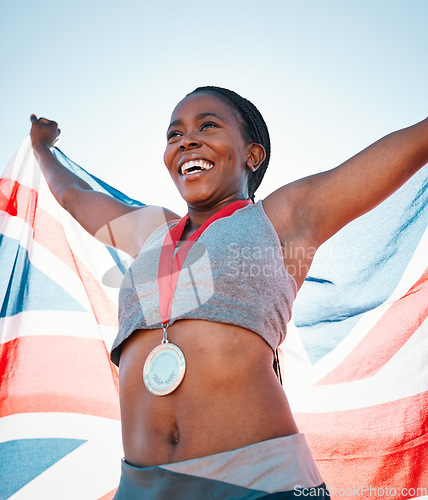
(198, 117)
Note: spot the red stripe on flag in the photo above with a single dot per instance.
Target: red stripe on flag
(386, 337)
(379, 446)
(18, 201)
(105, 311)
(57, 374)
(50, 233)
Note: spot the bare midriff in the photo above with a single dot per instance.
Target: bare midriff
(230, 396)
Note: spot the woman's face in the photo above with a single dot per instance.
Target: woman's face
(206, 154)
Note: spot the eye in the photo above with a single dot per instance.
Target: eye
(208, 125)
(172, 135)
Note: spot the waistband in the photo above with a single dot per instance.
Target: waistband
(276, 468)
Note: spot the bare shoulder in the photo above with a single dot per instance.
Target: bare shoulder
(285, 210)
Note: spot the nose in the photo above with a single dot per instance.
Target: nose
(189, 142)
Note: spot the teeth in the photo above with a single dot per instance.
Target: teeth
(195, 163)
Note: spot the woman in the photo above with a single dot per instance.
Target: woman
(203, 412)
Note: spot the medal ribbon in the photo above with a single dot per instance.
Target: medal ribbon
(170, 265)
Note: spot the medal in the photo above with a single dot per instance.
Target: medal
(165, 365)
(164, 368)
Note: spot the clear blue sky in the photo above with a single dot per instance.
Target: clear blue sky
(330, 77)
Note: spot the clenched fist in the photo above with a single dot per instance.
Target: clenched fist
(44, 133)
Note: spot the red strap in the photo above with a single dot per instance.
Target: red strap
(170, 265)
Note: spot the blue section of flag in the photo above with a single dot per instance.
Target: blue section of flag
(93, 181)
(359, 268)
(24, 459)
(23, 287)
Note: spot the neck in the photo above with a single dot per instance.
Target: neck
(199, 215)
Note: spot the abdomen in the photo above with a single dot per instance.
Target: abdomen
(229, 397)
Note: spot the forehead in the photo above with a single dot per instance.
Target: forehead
(203, 103)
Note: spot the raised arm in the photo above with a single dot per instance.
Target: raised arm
(104, 217)
(311, 210)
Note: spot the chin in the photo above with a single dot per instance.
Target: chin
(200, 197)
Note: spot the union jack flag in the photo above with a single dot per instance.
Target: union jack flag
(59, 412)
(356, 358)
(354, 361)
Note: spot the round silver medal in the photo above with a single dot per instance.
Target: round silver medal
(164, 369)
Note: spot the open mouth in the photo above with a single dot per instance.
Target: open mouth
(194, 166)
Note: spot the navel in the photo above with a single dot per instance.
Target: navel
(174, 436)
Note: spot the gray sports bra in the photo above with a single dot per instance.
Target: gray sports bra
(234, 274)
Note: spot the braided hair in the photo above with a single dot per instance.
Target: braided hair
(254, 128)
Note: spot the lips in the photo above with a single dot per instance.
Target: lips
(193, 166)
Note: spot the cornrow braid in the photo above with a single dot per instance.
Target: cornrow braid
(253, 126)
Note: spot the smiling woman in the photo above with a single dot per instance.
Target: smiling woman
(202, 406)
(206, 127)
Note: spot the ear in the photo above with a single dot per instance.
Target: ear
(256, 155)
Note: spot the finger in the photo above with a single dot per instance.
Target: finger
(33, 118)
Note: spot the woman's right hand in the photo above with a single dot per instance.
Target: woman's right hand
(44, 133)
